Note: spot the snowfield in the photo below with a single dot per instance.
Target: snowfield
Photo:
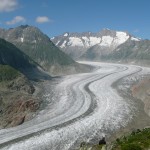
(82, 107)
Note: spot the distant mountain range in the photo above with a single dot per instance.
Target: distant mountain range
(90, 45)
(31, 41)
(52, 54)
(106, 45)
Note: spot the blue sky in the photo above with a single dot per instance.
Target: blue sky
(55, 17)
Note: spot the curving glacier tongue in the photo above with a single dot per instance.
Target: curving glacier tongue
(83, 107)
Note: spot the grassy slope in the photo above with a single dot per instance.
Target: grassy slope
(137, 140)
(8, 73)
(14, 57)
(11, 55)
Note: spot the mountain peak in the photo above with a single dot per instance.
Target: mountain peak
(112, 32)
(39, 47)
(66, 33)
(75, 44)
(24, 26)
(105, 32)
(21, 26)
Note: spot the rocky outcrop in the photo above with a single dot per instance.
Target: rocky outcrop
(21, 84)
(17, 103)
(16, 113)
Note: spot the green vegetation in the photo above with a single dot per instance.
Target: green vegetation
(137, 140)
(12, 56)
(8, 73)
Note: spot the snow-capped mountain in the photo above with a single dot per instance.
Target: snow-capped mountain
(135, 52)
(77, 44)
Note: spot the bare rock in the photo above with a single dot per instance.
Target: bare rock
(18, 120)
(21, 84)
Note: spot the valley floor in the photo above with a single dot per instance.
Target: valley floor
(82, 107)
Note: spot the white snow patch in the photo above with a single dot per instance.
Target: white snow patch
(74, 41)
(66, 34)
(91, 41)
(63, 44)
(85, 38)
(86, 41)
(106, 41)
(120, 38)
(34, 41)
(52, 38)
(22, 39)
(57, 43)
(135, 39)
(94, 40)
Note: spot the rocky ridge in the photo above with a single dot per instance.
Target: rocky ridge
(84, 44)
(41, 50)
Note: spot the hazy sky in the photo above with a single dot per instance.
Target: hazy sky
(55, 17)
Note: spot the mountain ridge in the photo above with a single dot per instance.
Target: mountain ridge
(77, 44)
(135, 52)
(41, 49)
